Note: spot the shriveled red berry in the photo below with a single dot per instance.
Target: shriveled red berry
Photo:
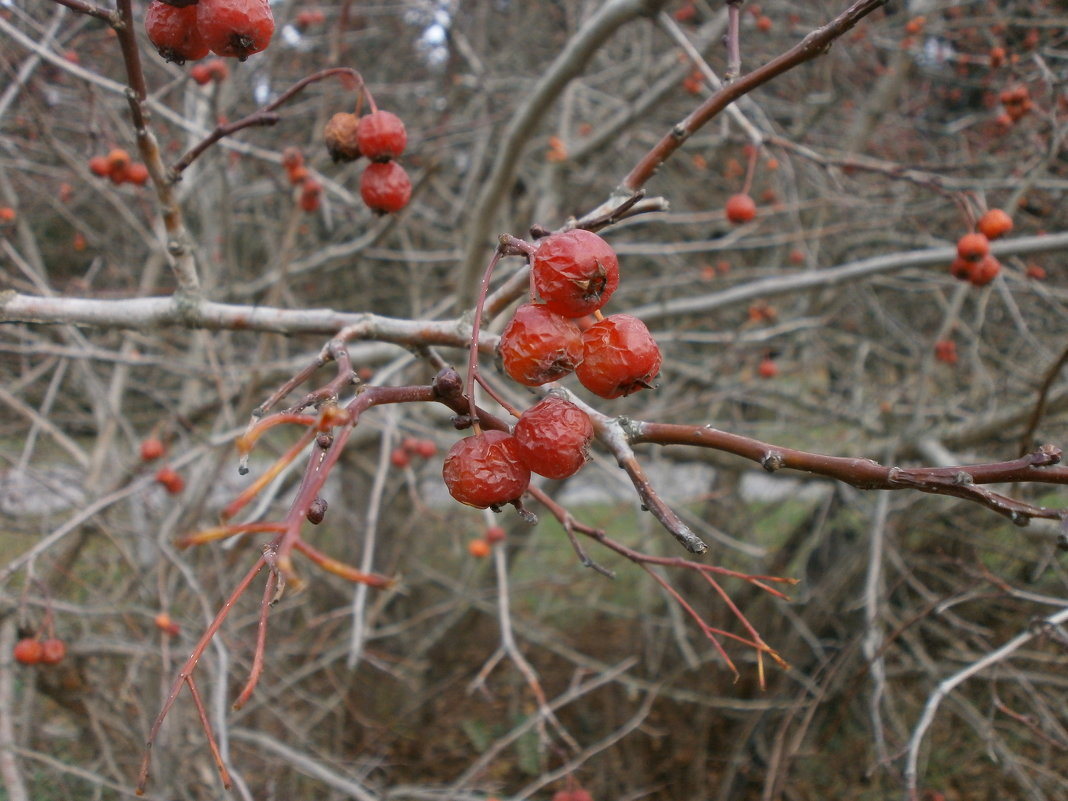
(381, 135)
(554, 437)
(985, 271)
(740, 208)
(339, 135)
(973, 247)
(28, 651)
(235, 28)
(994, 223)
(538, 346)
(485, 470)
(174, 32)
(575, 272)
(53, 651)
(619, 356)
(385, 187)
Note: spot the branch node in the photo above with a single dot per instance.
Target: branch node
(772, 461)
(962, 479)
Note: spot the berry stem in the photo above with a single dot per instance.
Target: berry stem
(476, 325)
(750, 170)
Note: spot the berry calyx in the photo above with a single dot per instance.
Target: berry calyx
(538, 346)
(28, 651)
(385, 187)
(575, 272)
(994, 223)
(339, 135)
(485, 470)
(235, 28)
(619, 356)
(53, 651)
(554, 437)
(740, 208)
(174, 32)
(381, 135)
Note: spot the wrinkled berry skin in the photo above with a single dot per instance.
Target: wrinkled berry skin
(340, 137)
(385, 187)
(575, 272)
(538, 346)
(381, 136)
(485, 470)
(554, 437)
(174, 32)
(235, 28)
(619, 356)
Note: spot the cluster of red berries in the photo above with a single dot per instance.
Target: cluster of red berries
(118, 166)
(34, 651)
(187, 30)
(311, 191)
(412, 446)
(492, 468)
(575, 273)
(380, 136)
(974, 262)
(1016, 101)
(212, 70)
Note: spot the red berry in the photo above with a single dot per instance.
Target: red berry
(575, 272)
(7, 214)
(292, 158)
(137, 174)
(740, 208)
(310, 194)
(1035, 271)
(994, 223)
(235, 28)
(385, 187)
(485, 470)
(166, 625)
(985, 271)
(306, 19)
(118, 162)
(381, 136)
(538, 346)
(99, 166)
(151, 449)
(973, 247)
(52, 651)
(494, 534)
(619, 356)
(399, 458)
(961, 269)
(945, 351)
(478, 548)
(171, 480)
(768, 368)
(174, 32)
(554, 437)
(425, 448)
(28, 651)
(340, 137)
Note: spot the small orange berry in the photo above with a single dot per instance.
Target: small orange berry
(994, 223)
(478, 548)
